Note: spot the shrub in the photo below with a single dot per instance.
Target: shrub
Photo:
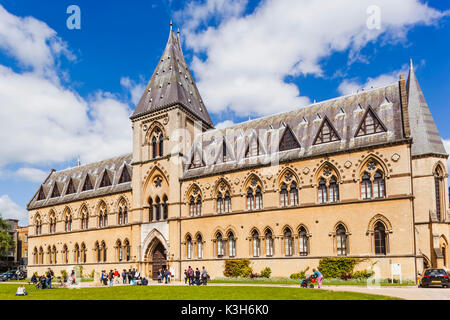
(346, 276)
(299, 276)
(266, 273)
(64, 275)
(254, 275)
(237, 268)
(92, 274)
(364, 274)
(335, 267)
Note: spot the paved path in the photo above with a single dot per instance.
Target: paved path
(408, 293)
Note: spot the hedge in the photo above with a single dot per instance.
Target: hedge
(237, 268)
(337, 267)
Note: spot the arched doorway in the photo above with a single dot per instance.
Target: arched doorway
(159, 260)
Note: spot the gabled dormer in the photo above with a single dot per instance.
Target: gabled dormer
(326, 133)
(370, 124)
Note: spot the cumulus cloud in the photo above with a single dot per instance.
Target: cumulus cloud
(224, 124)
(135, 89)
(31, 174)
(243, 62)
(31, 42)
(11, 210)
(41, 120)
(353, 86)
(446, 143)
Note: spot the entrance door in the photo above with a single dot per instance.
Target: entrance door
(158, 260)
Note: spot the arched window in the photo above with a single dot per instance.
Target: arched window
(189, 247)
(84, 218)
(220, 203)
(256, 244)
(49, 255)
(250, 200)
(54, 253)
(227, 202)
(65, 254)
(341, 240)
(258, 199)
(288, 242)
(98, 252)
(284, 195)
(127, 248)
(76, 256)
(161, 145)
(119, 250)
(293, 193)
(269, 243)
(104, 253)
(303, 242)
(231, 245)
(150, 210)
(68, 222)
(165, 208)
(334, 190)
(220, 246)
(158, 209)
(35, 256)
(41, 255)
(199, 247)
(103, 216)
(83, 253)
(192, 206)
(380, 238)
(199, 206)
(366, 186)
(52, 223)
(38, 225)
(438, 190)
(378, 185)
(323, 191)
(123, 212)
(154, 148)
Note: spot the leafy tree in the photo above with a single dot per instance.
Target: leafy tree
(6, 241)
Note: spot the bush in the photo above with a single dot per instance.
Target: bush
(92, 274)
(254, 275)
(237, 268)
(64, 275)
(346, 276)
(364, 274)
(266, 273)
(335, 267)
(299, 276)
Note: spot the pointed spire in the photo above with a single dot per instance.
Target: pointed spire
(172, 84)
(171, 25)
(426, 137)
(411, 65)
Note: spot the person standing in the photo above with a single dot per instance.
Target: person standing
(204, 276)
(116, 276)
(190, 275)
(124, 276)
(185, 276)
(197, 276)
(130, 276)
(111, 278)
(319, 277)
(48, 282)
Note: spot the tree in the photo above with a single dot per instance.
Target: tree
(6, 240)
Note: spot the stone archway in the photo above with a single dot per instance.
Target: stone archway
(155, 258)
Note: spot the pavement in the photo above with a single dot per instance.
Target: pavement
(408, 293)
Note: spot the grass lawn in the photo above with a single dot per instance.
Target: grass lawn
(326, 282)
(7, 292)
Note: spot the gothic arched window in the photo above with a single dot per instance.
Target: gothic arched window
(231, 245)
(303, 242)
(220, 246)
(366, 187)
(256, 244)
(380, 238)
(323, 191)
(288, 242)
(284, 195)
(269, 243)
(199, 247)
(341, 240)
(189, 247)
(438, 179)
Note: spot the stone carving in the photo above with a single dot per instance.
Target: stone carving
(236, 181)
(306, 170)
(348, 164)
(395, 157)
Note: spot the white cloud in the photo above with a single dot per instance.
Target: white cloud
(224, 124)
(135, 89)
(32, 174)
(446, 143)
(11, 210)
(353, 86)
(32, 42)
(248, 56)
(43, 122)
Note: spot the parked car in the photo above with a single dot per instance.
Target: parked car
(13, 275)
(435, 277)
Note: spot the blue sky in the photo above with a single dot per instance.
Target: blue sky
(68, 93)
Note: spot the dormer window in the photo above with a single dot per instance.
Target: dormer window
(106, 182)
(87, 184)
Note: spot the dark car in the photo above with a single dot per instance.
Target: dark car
(10, 275)
(435, 277)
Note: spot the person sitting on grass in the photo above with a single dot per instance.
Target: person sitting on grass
(21, 291)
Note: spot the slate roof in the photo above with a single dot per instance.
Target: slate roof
(172, 83)
(426, 137)
(95, 171)
(344, 113)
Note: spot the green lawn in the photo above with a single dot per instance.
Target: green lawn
(7, 292)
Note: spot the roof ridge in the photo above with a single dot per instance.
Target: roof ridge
(95, 162)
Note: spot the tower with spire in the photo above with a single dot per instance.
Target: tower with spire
(429, 177)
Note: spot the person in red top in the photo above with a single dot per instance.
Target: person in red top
(116, 276)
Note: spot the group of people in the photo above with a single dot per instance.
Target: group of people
(196, 277)
(164, 275)
(132, 277)
(44, 281)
